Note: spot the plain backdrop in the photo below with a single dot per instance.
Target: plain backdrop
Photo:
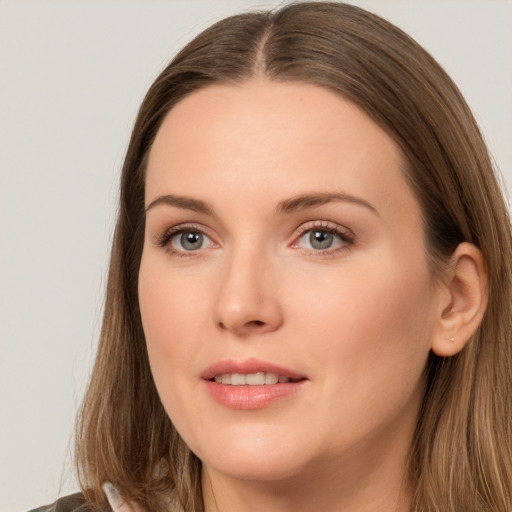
(72, 74)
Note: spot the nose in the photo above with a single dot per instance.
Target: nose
(248, 300)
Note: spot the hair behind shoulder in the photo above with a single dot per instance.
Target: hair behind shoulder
(462, 455)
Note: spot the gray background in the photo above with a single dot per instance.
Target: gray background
(72, 74)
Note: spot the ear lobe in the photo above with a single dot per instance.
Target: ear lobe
(463, 300)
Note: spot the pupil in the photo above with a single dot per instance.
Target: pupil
(320, 239)
(191, 241)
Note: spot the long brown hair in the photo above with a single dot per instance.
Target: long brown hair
(461, 458)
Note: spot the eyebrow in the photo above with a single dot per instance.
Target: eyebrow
(305, 201)
(293, 204)
(186, 203)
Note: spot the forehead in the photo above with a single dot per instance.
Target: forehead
(286, 137)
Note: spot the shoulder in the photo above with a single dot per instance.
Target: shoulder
(72, 503)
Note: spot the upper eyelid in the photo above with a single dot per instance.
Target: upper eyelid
(324, 225)
(187, 226)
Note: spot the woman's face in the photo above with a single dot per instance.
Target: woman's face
(283, 245)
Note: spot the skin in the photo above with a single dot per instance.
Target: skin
(357, 319)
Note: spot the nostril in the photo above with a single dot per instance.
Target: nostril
(246, 326)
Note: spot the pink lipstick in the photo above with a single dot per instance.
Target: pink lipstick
(250, 384)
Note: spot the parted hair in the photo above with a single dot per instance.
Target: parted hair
(461, 456)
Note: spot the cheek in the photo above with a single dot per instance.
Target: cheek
(170, 302)
(173, 315)
(374, 322)
(368, 338)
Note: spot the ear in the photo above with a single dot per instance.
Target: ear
(463, 299)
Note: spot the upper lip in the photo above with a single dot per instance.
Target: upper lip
(248, 366)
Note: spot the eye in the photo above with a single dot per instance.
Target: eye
(185, 240)
(324, 238)
(320, 240)
(188, 241)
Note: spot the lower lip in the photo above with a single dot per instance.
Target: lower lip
(251, 397)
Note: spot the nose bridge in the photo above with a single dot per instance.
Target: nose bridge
(247, 300)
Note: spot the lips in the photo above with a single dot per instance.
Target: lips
(250, 384)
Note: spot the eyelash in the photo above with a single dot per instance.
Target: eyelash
(165, 240)
(344, 235)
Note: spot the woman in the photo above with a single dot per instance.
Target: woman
(309, 298)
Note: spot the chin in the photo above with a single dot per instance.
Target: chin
(262, 470)
(254, 458)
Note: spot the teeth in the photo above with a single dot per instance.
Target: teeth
(271, 378)
(238, 379)
(250, 379)
(255, 379)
